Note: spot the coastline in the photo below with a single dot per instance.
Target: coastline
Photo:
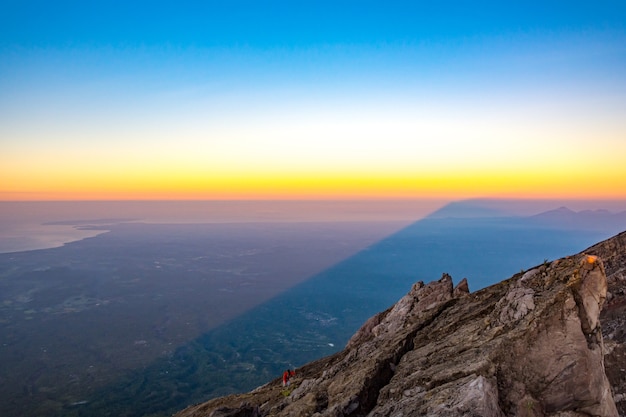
(31, 236)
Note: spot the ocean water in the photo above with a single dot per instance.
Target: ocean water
(22, 236)
(40, 225)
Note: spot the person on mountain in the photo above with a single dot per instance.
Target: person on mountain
(286, 376)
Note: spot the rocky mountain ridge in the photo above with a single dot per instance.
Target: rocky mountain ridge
(531, 345)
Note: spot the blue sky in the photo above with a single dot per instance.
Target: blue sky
(275, 89)
(269, 24)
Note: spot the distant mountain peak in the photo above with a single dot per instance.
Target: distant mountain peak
(600, 219)
(558, 211)
(467, 209)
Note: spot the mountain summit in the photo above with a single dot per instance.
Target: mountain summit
(531, 345)
(585, 219)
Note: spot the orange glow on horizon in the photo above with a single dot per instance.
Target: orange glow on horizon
(452, 186)
(81, 176)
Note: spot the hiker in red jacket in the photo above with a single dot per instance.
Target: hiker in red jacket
(286, 376)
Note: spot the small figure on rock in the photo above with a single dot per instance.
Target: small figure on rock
(287, 376)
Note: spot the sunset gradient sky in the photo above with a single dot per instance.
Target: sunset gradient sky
(312, 99)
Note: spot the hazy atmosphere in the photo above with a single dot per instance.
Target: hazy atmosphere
(197, 195)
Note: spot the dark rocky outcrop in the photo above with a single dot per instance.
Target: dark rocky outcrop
(613, 315)
(531, 345)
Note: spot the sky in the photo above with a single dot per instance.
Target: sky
(312, 100)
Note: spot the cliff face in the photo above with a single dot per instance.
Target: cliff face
(613, 316)
(529, 346)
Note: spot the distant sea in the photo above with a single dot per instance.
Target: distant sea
(40, 225)
(26, 225)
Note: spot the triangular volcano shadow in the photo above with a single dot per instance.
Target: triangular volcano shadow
(317, 317)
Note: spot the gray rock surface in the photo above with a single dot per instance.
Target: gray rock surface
(613, 315)
(531, 345)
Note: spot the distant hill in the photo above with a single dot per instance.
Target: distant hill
(585, 219)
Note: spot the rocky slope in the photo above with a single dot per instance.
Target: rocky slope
(613, 316)
(531, 345)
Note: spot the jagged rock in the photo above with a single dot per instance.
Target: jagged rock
(462, 288)
(529, 346)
